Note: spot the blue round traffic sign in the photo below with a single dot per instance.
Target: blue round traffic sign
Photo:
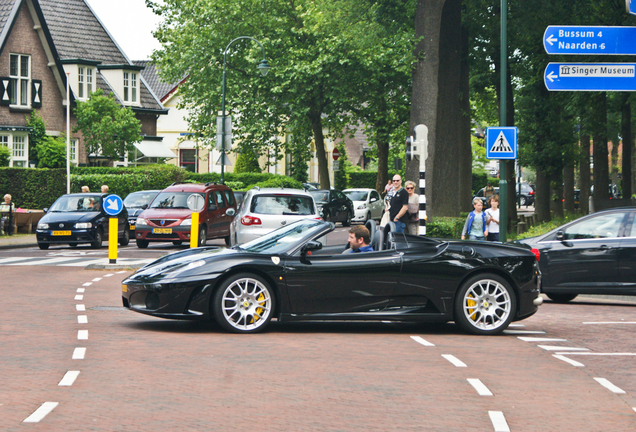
(113, 205)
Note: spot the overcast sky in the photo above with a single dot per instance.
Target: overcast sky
(130, 23)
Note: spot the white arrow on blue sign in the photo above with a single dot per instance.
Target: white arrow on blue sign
(501, 142)
(590, 40)
(631, 6)
(113, 205)
(590, 77)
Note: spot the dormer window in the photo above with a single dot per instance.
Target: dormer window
(84, 82)
(130, 87)
(20, 80)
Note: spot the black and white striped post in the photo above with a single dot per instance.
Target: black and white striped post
(417, 147)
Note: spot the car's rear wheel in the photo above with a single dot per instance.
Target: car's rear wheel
(347, 221)
(43, 246)
(522, 201)
(202, 236)
(367, 218)
(244, 303)
(561, 298)
(99, 240)
(177, 242)
(142, 244)
(485, 305)
(126, 238)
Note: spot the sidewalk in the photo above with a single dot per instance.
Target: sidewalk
(18, 241)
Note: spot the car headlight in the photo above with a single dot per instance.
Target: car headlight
(186, 222)
(83, 225)
(43, 226)
(362, 206)
(141, 221)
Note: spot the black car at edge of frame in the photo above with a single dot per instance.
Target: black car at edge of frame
(288, 274)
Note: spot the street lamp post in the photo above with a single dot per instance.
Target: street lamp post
(264, 67)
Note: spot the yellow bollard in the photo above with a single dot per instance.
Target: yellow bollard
(112, 240)
(194, 230)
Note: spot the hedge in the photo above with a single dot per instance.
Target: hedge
(445, 227)
(33, 188)
(364, 179)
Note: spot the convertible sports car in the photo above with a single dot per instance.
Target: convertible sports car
(289, 275)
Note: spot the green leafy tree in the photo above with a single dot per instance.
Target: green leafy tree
(37, 134)
(52, 152)
(108, 128)
(247, 162)
(5, 156)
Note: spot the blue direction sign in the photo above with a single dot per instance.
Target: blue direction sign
(590, 40)
(501, 143)
(631, 6)
(590, 77)
(113, 205)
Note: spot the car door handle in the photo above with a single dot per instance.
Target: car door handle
(604, 247)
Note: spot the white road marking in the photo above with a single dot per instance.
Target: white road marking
(598, 354)
(84, 263)
(498, 421)
(12, 259)
(482, 390)
(69, 378)
(82, 319)
(454, 360)
(120, 272)
(97, 279)
(567, 360)
(79, 353)
(539, 339)
(81, 290)
(421, 341)
(88, 284)
(43, 261)
(634, 409)
(79, 297)
(611, 322)
(524, 332)
(108, 275)
(82, 334)
(561, 348)
(80, 307)
(516, 325)
(41, 412)
(608, 385)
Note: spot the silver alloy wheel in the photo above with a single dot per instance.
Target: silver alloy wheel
(246, 304)
(486, 304)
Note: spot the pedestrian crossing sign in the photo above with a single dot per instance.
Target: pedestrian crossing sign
(501, 143)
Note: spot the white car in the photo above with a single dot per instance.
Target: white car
(366, 203)
(264, 210)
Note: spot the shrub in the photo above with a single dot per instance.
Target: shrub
(5, 156)
(52, 152)
(33, 188)
(364, 179)
(445, 227)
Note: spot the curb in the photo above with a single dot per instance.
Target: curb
(18, 245)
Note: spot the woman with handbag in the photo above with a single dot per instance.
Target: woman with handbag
(413, 224)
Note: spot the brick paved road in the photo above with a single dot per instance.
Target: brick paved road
(146, 374)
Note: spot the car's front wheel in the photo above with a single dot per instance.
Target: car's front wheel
(99, 240)
(142, 244)
(561, 298)
(202, 236)
(43, 246)
(347, 221)
(177, 242)
(126, 238)
(485, 305)
(244, 303)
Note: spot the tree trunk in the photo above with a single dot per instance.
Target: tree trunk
(584, 169)
(319, 140)
(628, 146)
(511, 198)
(382, 142)
(542, 200)
(556, 194)
(568, 187)
(465, 161)
(601, 161)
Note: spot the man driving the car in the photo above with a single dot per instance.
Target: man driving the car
(359, 239)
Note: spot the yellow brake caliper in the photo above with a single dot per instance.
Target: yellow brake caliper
(471, 303)
(259, 311)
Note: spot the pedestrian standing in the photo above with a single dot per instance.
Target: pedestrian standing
(492, 219)
(413, 223)
(104, 189)
(475, 225)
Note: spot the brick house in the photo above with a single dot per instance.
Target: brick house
(44, 42)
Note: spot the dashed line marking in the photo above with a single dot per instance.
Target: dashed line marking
(41, 412)
(634, 409)
(120, 272)
(79, 297)
(524, 332)
(598, 354)
(82, 334)
(79, 353)
(540, 339)
(424, 342)
(454, 360)
(87, 284)
(97, 279)
(69, 378)
(561, 348)
(567, 360)
(608, 385)
(108, 275)
(516, 325)
(482, 390)
(498, 421)
(610, 322)
(82, 319)
(80, 307)
(81, 290)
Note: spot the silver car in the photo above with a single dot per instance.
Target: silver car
(367, 204)
(264, 210)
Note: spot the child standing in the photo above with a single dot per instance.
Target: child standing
(475, 225)
(492, 219)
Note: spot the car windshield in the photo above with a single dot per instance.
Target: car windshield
(357, 195)
(282, 205)
(285, 238)
(139, 199)
(321, 197)
(172, 200)
(76, 203)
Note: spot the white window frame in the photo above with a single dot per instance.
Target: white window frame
(74, 147)
(89, 81)
(80, 82)
(20, 82)
(19, 148)
(126, 87)
(133, 86)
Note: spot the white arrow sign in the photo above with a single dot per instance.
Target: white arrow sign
(552, 76)
(111, 204)
(551, 40)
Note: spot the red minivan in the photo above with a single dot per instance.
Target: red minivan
(169, 219)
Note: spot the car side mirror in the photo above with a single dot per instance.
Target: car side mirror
(560, 235)
(311, 245)
(230, 212)
(373, 200)
(144, 207)
(46, 209)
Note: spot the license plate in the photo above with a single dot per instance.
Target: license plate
(132, 227)
(61, 233)
(162, 230)
(124, 288)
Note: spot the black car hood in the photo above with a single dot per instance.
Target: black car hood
(57, 217)
(134, 211)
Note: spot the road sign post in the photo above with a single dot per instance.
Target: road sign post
(590, 77)
(113, 205)
(585, 40)
(196, 203)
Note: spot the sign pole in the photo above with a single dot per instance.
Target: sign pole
(112, 240)
(503, 184)
(194, 230)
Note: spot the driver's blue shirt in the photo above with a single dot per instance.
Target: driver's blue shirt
(367, 248)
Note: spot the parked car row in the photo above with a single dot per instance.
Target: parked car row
(525, 194)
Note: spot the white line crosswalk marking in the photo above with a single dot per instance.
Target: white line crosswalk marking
(70, 261)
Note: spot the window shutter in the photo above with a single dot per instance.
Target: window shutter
(36, 93)
(5, 97)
